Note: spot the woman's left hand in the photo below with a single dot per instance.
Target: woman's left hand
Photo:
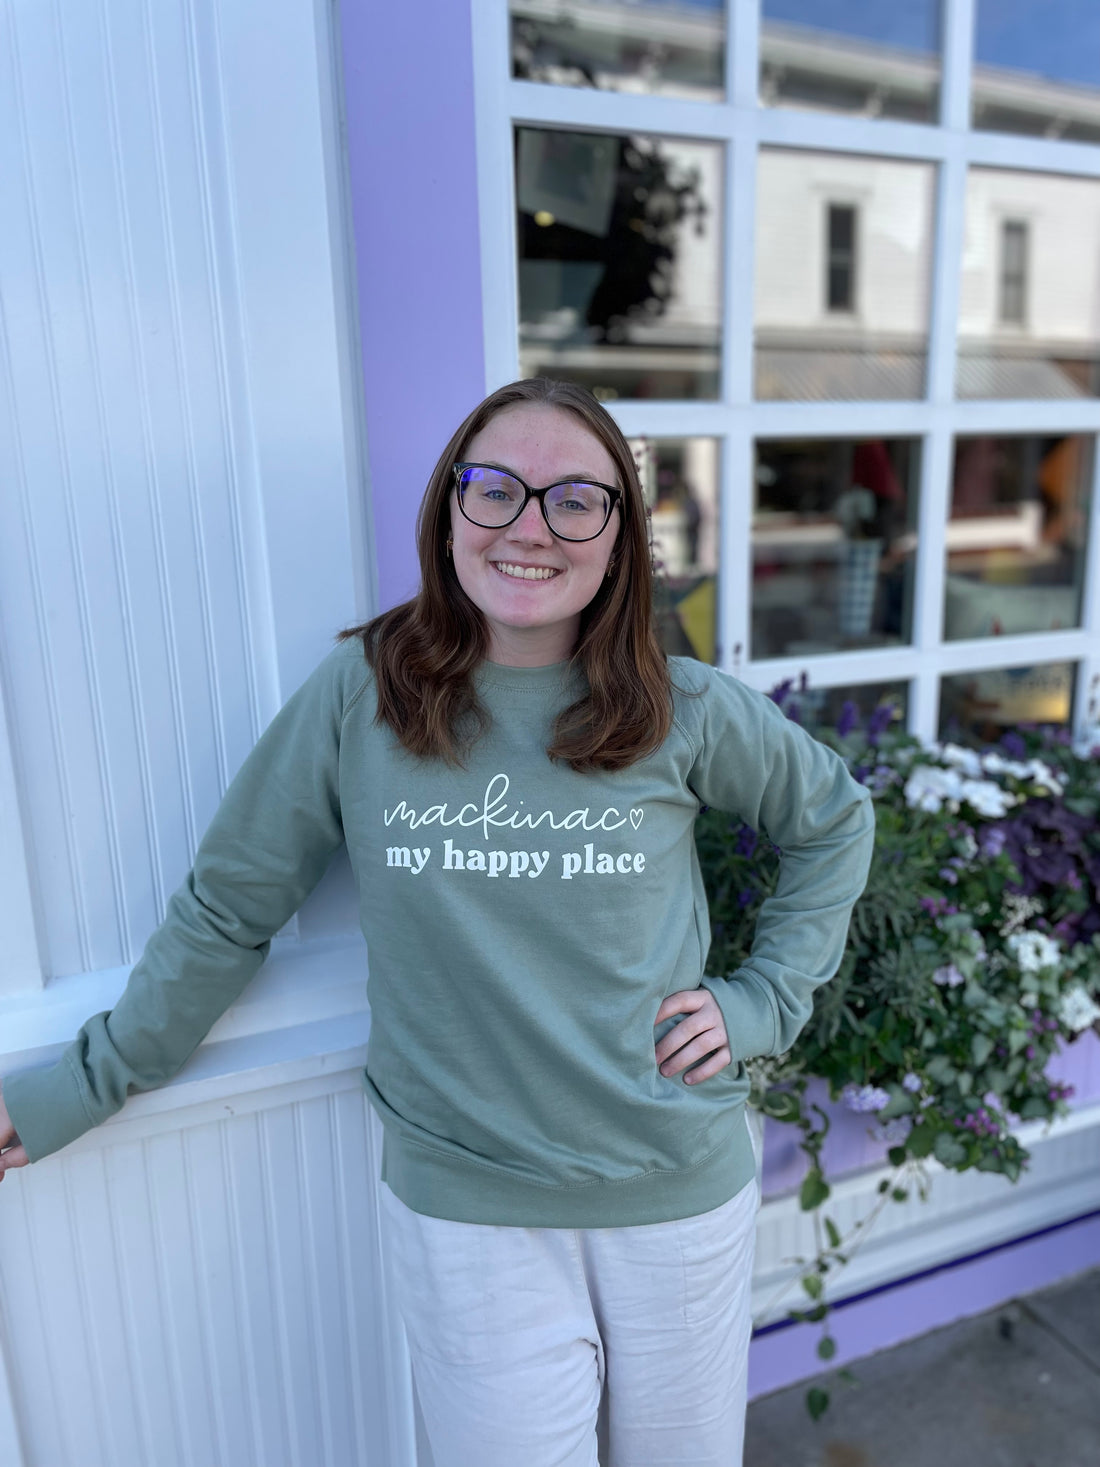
(701, 1036)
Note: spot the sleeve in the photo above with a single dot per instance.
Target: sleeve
(266, 848)
(755, 763)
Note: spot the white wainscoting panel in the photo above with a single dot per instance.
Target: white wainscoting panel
(205, 1288)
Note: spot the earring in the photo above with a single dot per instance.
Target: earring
(610, 568)
(450, 543)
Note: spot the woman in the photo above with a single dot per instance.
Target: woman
(569, 1187)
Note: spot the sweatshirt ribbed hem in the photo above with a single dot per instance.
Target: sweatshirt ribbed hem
(440, 1184)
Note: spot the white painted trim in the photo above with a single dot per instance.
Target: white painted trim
(300, 983)
(965, 1213)
(21, 967)
(495, 194)
(958, 54)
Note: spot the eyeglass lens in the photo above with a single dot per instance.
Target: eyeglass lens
(491, 498)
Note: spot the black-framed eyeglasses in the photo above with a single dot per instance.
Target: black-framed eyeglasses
(574, 509)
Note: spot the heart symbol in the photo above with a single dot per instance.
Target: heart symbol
(636, 818)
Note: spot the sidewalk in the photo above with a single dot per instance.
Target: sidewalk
(1017, 1387)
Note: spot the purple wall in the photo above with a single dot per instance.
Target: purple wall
(408, 82)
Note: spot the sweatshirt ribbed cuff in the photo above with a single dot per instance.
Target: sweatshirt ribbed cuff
(749, 1013)
(46, 1108)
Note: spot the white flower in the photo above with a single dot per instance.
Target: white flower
(960, 758)
(928, 787)
(1034, 951)
(864, 1097)
(1044, 777)
(987, 798)
(948, 976)
(1077, 1010)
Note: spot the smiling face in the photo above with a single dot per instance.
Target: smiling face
(530, 586)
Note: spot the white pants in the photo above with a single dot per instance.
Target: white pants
(555, 1347)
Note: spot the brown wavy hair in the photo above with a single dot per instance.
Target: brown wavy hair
(424, 652)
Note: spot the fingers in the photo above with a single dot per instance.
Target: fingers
(15, 1156)
(687, 1001)
(699, 1040)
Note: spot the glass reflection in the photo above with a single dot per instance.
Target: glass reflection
(671, 48)
(1016, 539)
(833, 543)
(1029, 298)
(680, 482)
(852, 56)
(854, 706)
(843, 258)
(1037, 68)
(980, 707)
(619, 261)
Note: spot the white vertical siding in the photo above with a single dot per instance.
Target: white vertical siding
(175, 546)
(208, 1294)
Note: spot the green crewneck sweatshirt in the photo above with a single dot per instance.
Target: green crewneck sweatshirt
(523, 925)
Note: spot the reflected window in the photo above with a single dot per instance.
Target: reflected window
(669, 48)
(864, 227)
(840, 277)
(619, 261)
(1013, 272)
(680, 483)
(1029, 296)
(979, 708)
(1037, 68)
(855, 706)
(836, 56)
(833, 545)
(1017, 535)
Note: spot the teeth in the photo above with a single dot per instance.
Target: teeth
(526, 573)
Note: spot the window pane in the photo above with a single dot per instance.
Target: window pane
(879, 60)
(1031, 246)
(850, 707)
(674, 48)
(841, 317)
(1017, 535)
(619, 261)
(680, 482)
(980, 707)
(1037, 68)
(833, 544)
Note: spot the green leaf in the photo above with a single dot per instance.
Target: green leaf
(949, 1151)
(817, 1402)
(826, 1347)
(811, 1282)
(899, 1194)
(781, 1105)
(847, 1377)
(981, 1047)
(833, 1233)
(814, 1190)
(897, 1155)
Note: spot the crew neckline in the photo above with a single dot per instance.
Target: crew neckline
(552, 675)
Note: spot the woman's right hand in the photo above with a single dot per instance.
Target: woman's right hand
(12, 1153)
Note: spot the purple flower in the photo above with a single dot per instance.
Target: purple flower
(848, 719)
(991, 842)
(746, 841)
(744, 897)
(911, 1082)
(1014, 746)
(864, 1098)
(951, 877)
(879, 722)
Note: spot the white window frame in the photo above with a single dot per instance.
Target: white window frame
(743, 126)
